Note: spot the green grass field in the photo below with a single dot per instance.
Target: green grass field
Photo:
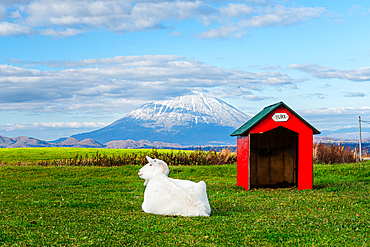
(98, 206)
(31, 155)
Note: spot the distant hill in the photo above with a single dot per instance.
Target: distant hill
(73, 142)
(22, 141)
(347, 133)
(197, 119)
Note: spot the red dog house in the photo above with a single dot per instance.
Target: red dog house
(275, 149)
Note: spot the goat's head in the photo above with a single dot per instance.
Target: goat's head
(153, 168)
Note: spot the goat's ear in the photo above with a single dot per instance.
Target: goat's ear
(164, 168)
(151, 161)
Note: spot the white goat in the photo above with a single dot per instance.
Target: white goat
(167, 196)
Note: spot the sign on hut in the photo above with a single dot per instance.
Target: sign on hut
(275, 149)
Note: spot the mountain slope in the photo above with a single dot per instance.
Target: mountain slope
(189, 109)
(347, 133)
(197, 119)
(6, 141)
(23, 141)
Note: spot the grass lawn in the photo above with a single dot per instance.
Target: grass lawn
(74, 206)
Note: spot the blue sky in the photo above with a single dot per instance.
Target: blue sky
(71, 66)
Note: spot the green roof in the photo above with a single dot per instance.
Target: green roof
(263, 114)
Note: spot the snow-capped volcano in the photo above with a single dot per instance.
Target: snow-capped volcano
(196, 119)
(189, 109)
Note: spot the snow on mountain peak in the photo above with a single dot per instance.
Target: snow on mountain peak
(189, 110)
(197, 119)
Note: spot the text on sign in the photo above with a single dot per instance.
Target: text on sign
(280, 117)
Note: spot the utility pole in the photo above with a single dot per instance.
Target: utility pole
(359, 144)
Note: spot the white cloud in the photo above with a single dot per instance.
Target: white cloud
(335, 118)
(50, 125)
(8, 3)
(365, 110)
(11, 29)
(62, 33)
(118, 16)
(282, 16)
(15, 14)
(325, 72)
(176, 34)
(48, 130)
(261, 17)
(65, 18)
(255, 97)
(354, 94)
(237, 10)
(224, 31)
(316, 95)
(101, 84)
(3, 13)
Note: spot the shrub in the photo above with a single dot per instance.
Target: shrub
(329, 153)
(198, 157)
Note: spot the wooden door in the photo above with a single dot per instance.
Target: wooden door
(274, 158)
